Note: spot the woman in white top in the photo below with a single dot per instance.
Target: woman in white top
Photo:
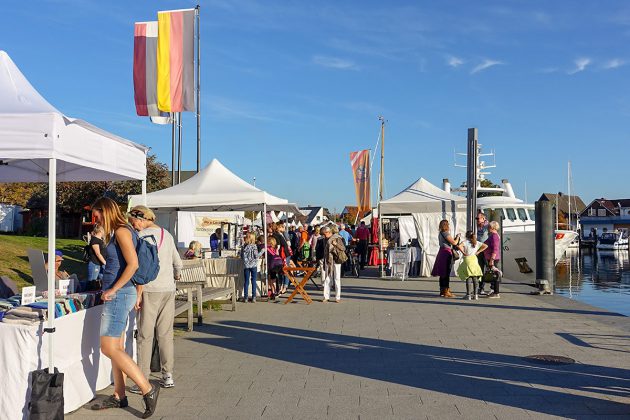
(470, 270)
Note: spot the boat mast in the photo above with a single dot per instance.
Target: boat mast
(380, 193)
(569, 188)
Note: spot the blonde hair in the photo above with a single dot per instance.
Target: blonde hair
(194, 245)
(250, 238)
(444, 225)
(112, 216)
(148, 213)
(494, 225)
(97, 229)
(271, 241)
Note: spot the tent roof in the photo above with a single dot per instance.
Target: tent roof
(214, 188)
(420, 197)
(32, 131)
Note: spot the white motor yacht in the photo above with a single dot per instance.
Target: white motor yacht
(519, 236)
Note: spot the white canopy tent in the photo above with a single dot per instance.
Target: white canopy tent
(39, 144)
(215, 188)
(426, 205)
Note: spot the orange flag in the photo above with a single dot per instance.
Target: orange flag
(360, 162)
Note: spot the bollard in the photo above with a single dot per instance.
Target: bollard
(545, 248)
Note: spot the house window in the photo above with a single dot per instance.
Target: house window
(591, 212)
(601, 212)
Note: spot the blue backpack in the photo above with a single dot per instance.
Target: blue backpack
(148, 260)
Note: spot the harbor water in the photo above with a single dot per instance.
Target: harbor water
(598, 278)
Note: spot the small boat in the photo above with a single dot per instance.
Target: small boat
(613, 240)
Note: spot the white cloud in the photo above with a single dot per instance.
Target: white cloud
(613, 64)
(334, 63)
(454, 61)
(486, 64)
(580, 65)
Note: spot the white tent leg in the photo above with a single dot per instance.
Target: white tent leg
(380, 239)
(263, 218)
(144, 192)
(52, 237)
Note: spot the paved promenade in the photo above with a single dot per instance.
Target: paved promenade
(395, 350)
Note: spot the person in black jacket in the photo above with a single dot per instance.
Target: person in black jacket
(285, 253)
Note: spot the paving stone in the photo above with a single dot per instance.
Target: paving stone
(397, 350)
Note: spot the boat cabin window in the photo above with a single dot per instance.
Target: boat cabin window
(511, 214)
(522, 214)
(532, 214)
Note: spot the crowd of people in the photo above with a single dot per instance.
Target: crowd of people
(480, 252)
(112, 258)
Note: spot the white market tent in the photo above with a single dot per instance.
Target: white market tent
(40, 144)
(425, 205)
(215, 188)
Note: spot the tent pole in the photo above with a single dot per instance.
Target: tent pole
(197, 9)
(52, 236)
(263, 217)
(144, 192)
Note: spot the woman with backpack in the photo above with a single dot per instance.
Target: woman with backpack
(119, 298)
(334, 256)
(156, 303)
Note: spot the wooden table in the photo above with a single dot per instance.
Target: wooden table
(299, 285)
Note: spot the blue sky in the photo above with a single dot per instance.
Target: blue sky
(290, 88)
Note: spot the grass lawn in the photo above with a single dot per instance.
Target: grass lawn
(14, 261)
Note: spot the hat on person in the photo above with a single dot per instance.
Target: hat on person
(58, 254)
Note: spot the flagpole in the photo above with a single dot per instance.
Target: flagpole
(179, 154)
(173, 149)
(197, 9)
(380, 193)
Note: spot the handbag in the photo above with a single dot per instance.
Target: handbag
(46, 401)
(489, 276)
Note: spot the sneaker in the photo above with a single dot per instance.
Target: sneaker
(110, 402)
(494, 296)
(135, 390)
(476, 297)
(253, 300)
(467, 297)
(150, 401)
(325, 301)
(167, 380)
(483, 292)
(337, 300)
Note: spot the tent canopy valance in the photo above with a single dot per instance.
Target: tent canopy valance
(214, 188)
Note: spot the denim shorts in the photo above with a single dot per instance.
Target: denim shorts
(116, 312)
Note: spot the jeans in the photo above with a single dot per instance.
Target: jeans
(285, 281)
(337, 279)
(250, 275)
(95, 271)
(116, 312)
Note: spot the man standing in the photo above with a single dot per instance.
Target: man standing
(482, 235)
(363, 235)
(347, 238)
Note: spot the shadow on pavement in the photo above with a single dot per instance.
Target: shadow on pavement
(495, 378)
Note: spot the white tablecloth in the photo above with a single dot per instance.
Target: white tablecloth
(24, 349)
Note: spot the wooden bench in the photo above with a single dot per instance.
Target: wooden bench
(193, 276)
(184, 303)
